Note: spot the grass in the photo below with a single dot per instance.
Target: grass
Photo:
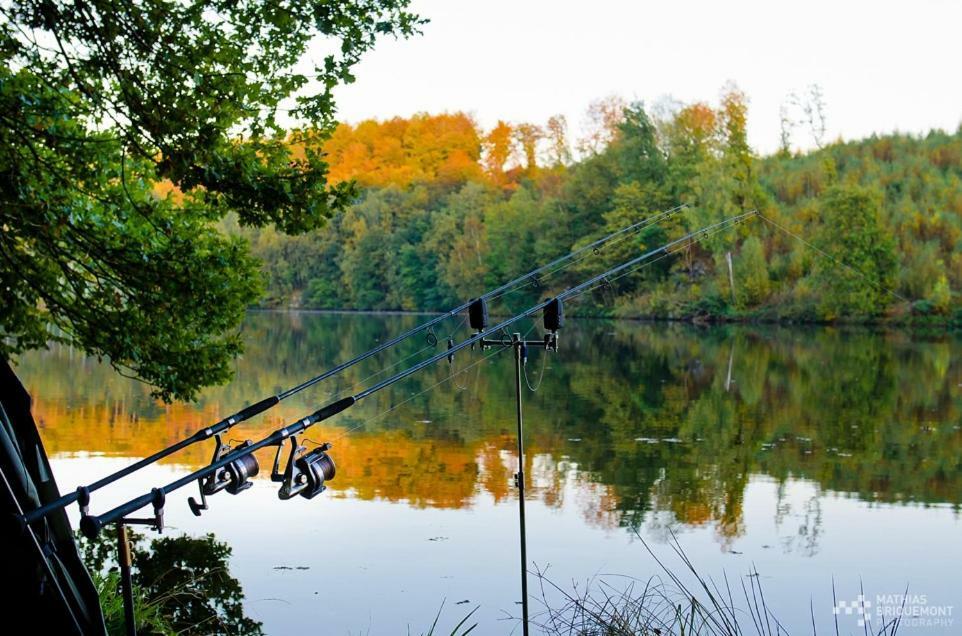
(613, 605)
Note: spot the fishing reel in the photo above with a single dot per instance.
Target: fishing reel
(234, 477)
(305, 472)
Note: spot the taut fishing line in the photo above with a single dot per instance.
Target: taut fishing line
(835, 260)
(670, 252)
(596, 250)
(414, 396)
(336, 394)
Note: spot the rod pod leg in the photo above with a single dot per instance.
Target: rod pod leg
(518, 345)
(126, 581)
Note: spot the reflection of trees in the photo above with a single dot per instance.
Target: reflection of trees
(185, 579)
(636, 417)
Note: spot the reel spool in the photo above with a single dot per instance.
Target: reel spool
(234, 477)
(305, 472)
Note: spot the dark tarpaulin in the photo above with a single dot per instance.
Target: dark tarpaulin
(48, 587)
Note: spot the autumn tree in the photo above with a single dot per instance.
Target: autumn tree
(498, 150)
(443, 149)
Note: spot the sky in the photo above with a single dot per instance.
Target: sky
(882, 66)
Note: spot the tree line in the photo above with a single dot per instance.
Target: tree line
(446, 210)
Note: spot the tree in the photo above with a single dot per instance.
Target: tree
(859, 281)
(102, 102)
(640, 158)
(556, 132)
(752, 283)
(601, 124)
(499, 150)
(528, 136)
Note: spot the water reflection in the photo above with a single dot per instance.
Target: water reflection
(632, 418)
(182, 585)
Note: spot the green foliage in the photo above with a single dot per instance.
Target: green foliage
(432, 245)
(182, 585)
(109, 106)
(751, 273)
(148, 615)
(862, 271)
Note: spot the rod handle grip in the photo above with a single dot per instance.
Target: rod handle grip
(333, 409)
(255, 409)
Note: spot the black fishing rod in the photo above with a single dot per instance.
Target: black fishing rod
(306, 472)
(82, 494)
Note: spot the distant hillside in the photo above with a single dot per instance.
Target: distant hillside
(447, 211)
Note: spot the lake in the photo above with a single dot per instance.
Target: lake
(809, 455)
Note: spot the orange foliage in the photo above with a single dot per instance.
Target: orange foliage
(498, 149)
(697, 122)
(389, 465)
(425, 148)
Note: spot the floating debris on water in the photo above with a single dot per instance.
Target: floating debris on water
(288, 567)
(671, 440)
(647, 440)
(463, 602)
(574, 439)
(438, 538)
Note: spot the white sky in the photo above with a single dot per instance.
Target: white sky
(882, 65)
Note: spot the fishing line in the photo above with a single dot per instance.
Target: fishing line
(596, 250)
(482, 359)
(450, 376)
(363, 381)
(648, 263)
(534, 389)
(835, 260)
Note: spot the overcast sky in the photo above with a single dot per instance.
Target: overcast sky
(882, 65)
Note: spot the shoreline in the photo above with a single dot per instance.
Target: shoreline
(947, 323)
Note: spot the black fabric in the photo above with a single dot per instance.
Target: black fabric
(48, 587)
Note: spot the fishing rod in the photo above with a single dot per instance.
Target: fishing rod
(82, 493)
(306, 472)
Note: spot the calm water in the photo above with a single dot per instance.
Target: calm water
(809, 454)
